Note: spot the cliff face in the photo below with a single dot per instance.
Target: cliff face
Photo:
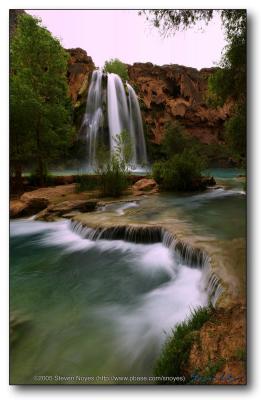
(166, 93)
(80, 67)
(174, 92)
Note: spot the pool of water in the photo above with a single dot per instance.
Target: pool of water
(105, 307)
(218, 212)
(92, 308)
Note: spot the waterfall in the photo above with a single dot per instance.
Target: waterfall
(93, 117)
(186, 254)
(136, 128)
(118, 114)
(122, 113)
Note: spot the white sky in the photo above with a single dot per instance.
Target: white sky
(122, 34)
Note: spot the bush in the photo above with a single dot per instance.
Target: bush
(235, 135)
(85, 182)
(175, 353)
(44, 179)
(181, 173)
(113, 170)
(113, 177)
(176, 140)
(115, 66)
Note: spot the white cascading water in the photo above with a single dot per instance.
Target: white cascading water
(123, 113)
(93, 117)
(136, 128)
(117, 106)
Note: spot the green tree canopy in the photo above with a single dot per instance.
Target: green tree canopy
(117, 67)
(40, 109)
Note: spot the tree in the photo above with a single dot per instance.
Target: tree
(176, 139)
(228, 83)
(180, 173)
(115, 66)
(40, 109)
(171, 21)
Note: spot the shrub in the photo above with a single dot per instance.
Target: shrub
(176, 140)
(85, 182)
(113, 177)
(181, 173)
(113, 171)
(117, 67)
(175, 353)
(45, 179)
(235, 135)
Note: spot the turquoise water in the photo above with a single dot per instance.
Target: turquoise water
(220, 213)
(92, 308)
(225, 173)
(105, 307)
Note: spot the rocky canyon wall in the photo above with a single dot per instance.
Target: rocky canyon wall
(166, 93)
(175, 92)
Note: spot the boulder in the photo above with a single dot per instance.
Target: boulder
(144, 186)
(16, 208)
(80, 205)
(19, 208)
(65, 209)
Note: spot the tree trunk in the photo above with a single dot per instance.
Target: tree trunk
(41, 171)
(40, 161)
(17, 181)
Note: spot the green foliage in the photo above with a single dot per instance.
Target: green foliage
(85, 183)
(33, 178)
(176, 140)
(115, 66)
(113, 170)
(181, 173)
(40, 110)
(113, 178)
(171, 21)
(229, 82)
(240, 354)
(235, 134)
(175, 353)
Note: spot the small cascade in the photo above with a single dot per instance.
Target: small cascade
(110, 111)
(186, 254)
(134, 234)
(213, 286)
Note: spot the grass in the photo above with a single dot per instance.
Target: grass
(175, 353)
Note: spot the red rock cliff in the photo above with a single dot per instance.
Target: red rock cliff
(80, 67)
(166, 93)
(175, 92)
